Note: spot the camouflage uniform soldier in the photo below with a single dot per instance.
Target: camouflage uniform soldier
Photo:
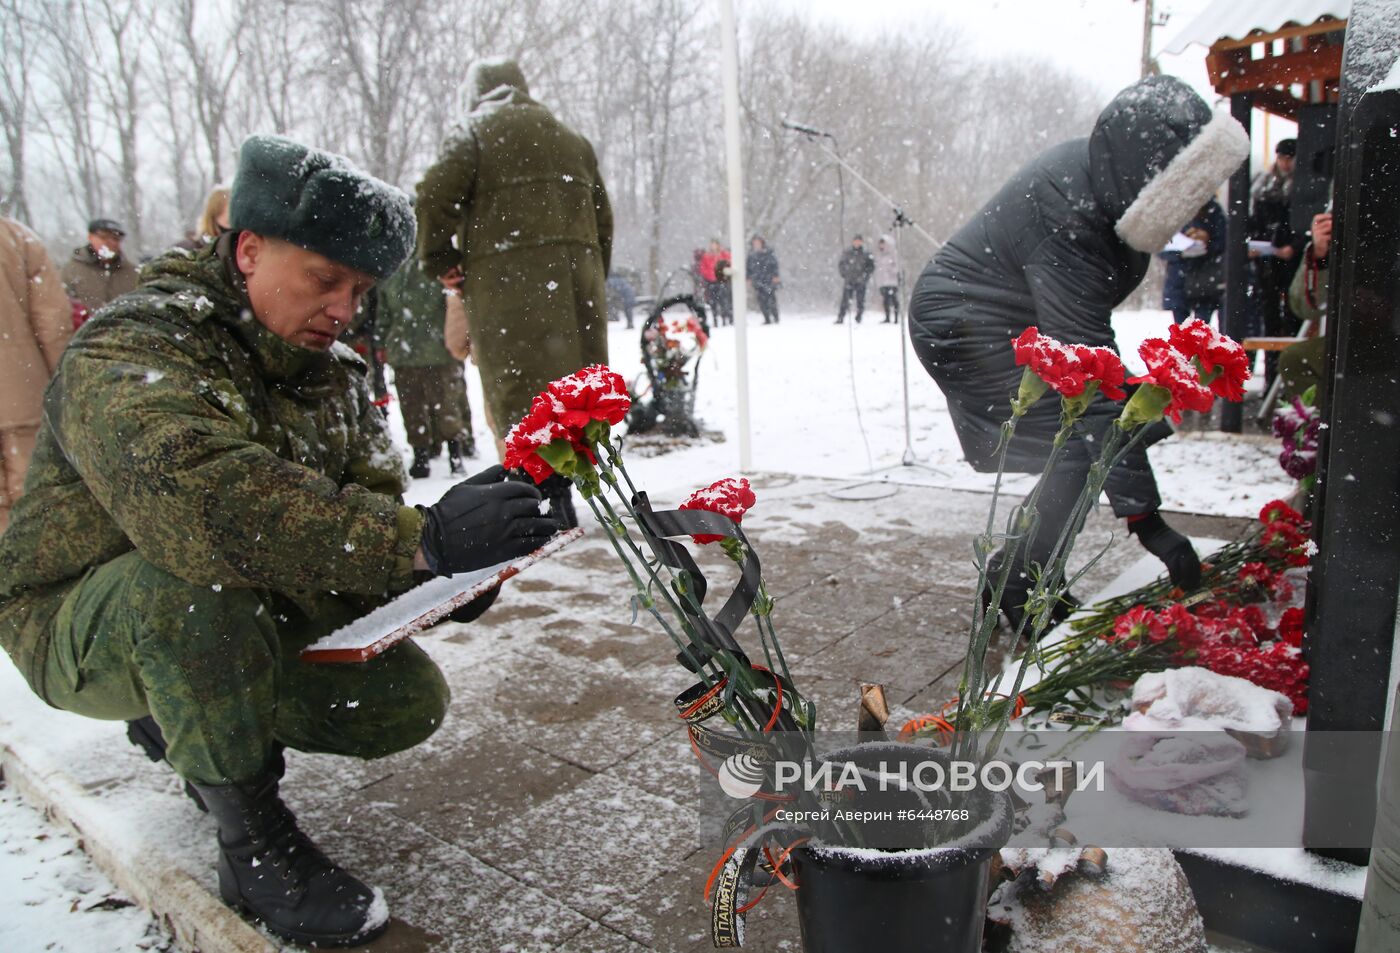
(432, 394)
(212, 489)
(514, 212)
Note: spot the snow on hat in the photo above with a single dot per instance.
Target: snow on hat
(321, 202)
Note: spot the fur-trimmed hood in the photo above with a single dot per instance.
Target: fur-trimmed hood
(1157, 154)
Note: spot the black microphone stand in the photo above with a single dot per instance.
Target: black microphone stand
(900, 222)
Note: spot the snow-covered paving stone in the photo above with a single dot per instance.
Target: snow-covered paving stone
(55, 899)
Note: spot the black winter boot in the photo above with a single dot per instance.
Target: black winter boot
(419, 470)
(272, 871)
(454, 458)
(146, 735)
(1173, 549)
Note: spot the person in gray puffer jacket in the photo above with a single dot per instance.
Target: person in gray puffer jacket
(1064, 241)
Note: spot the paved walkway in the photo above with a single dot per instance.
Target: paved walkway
(549, 811)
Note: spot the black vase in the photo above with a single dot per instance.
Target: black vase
(932, 900)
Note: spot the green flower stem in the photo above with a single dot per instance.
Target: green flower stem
(646, 599)
(1048, 582)
(973, 703)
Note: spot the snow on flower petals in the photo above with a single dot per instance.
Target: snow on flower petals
(1223, 362)
(1069, 368)
(563, 411)
(1169, 369)
(728, 497)
(594, 393)
(538, 428)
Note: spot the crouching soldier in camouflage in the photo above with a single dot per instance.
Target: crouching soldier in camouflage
(213, 490)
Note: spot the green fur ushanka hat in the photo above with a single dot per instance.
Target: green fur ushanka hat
(318, 200)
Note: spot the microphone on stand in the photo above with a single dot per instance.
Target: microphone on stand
(805, 130)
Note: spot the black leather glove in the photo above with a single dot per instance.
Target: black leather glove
(483, 521)
(1173, 549)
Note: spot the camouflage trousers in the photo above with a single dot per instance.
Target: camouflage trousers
(433, 401)
(219, 671)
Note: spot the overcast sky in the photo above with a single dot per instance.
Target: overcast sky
(1102, 39)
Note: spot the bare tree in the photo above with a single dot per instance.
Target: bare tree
(17, 50)
(213, 65)
(112, 29)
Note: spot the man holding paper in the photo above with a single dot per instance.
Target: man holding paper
(213, 490)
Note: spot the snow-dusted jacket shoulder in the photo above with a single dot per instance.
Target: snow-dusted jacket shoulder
(94, 281)
(512, 177)
(35, 324)
(180, 427)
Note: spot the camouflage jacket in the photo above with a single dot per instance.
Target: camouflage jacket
(180, 427)
(411, 320)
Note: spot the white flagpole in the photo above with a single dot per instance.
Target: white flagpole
(729, 44)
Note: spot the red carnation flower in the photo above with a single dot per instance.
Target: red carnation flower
(594, 393)
(1256, 574)
(538, 428)
(1051, 361)
(1290, 627)
(1169, 369)
(1276, 511)
(1289, 542)
(728, 497)
(1138, 625)
(1104, 366)
(1221, 359)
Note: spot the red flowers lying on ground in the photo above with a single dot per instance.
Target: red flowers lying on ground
(728, 497)
(1230, 634)
(1069, 368)
(576, 409)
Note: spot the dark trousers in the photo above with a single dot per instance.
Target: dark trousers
(1278, 319)
(721, 303)
(220, 670)
(889, 297)
(851, 289)
(1131, 489)
(767, 299)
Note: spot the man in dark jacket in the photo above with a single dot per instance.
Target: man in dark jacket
(432, 394)
(98, 272)
(213, 490)
(762, 268)
(514, 213)
(1062, 244)
(855, 267)
(1270, 220)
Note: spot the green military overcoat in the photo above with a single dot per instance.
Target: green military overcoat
(516, 201)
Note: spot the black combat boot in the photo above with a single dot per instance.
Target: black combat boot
(146, 735)
(419, 469)
(271, 871)
(455, 452)
(1173, 549)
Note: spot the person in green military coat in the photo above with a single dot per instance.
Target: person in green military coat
(212, 489)
(515, 214)
(412, 314)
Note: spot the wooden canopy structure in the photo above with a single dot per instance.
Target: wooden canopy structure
(1271, 48)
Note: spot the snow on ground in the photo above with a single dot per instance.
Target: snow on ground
(55, 898)
(826, 400)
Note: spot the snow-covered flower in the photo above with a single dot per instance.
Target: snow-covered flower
(728, 497)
